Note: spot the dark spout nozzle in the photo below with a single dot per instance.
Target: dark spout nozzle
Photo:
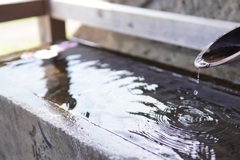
(225, 49)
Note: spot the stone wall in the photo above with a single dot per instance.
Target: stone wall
(217, 9)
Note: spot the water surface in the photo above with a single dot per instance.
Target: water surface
(151, 107)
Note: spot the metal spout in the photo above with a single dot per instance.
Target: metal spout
(225, 49)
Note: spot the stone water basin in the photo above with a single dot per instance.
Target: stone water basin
(148, 106)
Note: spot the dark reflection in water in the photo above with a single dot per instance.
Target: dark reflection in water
(58, 82)
(148, 106)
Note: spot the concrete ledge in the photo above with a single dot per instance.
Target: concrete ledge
(33, 129)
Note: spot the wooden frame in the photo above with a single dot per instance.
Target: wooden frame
(182, 30)
(22, 9)
(50, 29)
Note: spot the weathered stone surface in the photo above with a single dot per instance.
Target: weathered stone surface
(216, 9)
(31, 128)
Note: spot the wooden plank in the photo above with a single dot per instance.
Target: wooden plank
(58, 31)
(187, 31)
(21, 9)
(44, 29)
(51, 30)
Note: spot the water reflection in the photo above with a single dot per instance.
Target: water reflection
(58, 82)
(150, 107)
(188, 126)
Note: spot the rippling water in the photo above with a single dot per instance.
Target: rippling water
(153, 108)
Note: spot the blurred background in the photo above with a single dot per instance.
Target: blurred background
(23, 34)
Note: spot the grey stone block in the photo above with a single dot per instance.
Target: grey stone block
(215, 9)
(31, 128)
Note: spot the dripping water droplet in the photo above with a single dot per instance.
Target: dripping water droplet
(197, 81)
(195, 92)
(198, 76)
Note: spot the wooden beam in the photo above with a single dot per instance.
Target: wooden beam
(21, 9)
(187, 31)
(44, 29)
(51, 30)
(58, 31)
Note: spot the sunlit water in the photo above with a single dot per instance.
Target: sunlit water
(151, 107)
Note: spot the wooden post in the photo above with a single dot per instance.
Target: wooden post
(21, 9)
(58, 31)
(51, 30)
(44, 30)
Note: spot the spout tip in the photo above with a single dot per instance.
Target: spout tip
(208, 58)
(224, 50)
(199, 62)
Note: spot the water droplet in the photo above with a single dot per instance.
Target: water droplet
(198, 76)
(195, 92)
(197, 81)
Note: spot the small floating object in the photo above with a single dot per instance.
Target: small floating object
(54, 50)
(45, 54)
(68, 44)
(225, 49)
